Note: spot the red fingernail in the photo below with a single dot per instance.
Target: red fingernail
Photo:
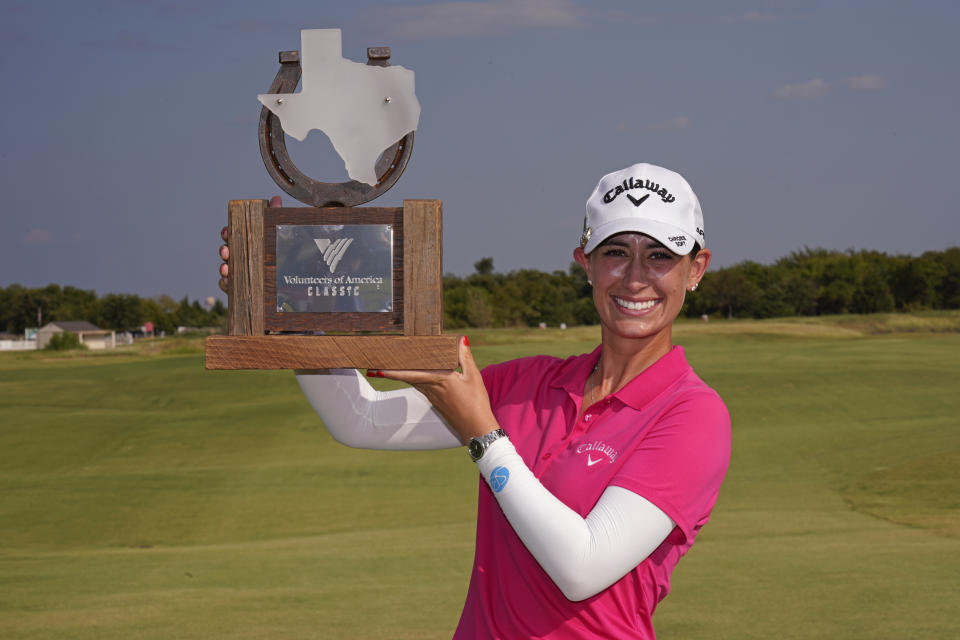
(371, 373)
(380, 374)
(466, 341)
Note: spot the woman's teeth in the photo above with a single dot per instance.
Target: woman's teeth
(635, 306)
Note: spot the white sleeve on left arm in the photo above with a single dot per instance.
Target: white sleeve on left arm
(358, 415)
(583, 556)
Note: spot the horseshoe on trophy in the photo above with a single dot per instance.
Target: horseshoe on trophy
(273, 148)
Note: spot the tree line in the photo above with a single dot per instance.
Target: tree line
(821, 282)
(21, 308)
(807, 282)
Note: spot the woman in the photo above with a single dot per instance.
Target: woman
(599, 469)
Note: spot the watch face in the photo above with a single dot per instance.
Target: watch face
(475, 449)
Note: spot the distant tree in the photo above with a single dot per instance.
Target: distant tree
(871, 292)
(454, 303)
(836, 297)
(479, 307)
(168, 304)
(802, 291)
(916, 282)
(949, 291)
(584, 311)
(732, 292)
(872, 296)
(12, 306)
(531, 297)
(155, 312)
(120, 311)
(512, 307)
(75, 304)
(483, 266)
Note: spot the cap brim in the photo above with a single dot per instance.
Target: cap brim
(669, 236)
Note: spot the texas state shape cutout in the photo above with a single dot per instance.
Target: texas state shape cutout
(362, 109)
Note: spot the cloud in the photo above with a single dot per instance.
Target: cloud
(473, 18)
(262, 25)
(129, 42)
(867, 82)
(760, 16)
(697, 17)
(819, 87)
(813, 89)
(36, 238)
(678, 122)
(10, 35)
(752, 17)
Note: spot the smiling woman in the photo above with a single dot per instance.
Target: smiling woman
(599, 470)
(639, 286)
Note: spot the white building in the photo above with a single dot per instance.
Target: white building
(91, 335)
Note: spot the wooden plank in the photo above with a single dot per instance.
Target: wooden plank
(423, 267)
(328, 352)
(245, 291)
(331, 321)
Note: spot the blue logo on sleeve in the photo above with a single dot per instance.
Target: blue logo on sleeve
(499, 478)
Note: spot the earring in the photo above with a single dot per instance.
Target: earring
(693, 287)
(589, 282)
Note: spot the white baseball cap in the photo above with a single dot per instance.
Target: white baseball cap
(646, 199)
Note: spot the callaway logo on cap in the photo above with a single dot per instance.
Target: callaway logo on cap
(645, 199)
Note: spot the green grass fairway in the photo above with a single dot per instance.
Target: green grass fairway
(144, 497)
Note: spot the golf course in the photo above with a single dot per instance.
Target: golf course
(143, 497)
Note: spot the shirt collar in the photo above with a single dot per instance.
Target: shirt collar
(636, 393)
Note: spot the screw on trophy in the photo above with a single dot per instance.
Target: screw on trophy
(333, 284)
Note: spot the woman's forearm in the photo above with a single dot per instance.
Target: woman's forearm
(583, 556)
(358, 415)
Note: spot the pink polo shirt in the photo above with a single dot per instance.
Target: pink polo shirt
(665, 435)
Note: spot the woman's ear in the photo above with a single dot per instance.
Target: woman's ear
(583, 261)
(698, 267)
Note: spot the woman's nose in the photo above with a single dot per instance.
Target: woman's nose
(636, 274)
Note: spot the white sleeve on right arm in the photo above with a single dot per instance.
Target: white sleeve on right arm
(358, 415)
(583, 556)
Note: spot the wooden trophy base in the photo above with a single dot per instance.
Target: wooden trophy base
(252, 297)
(332, 352)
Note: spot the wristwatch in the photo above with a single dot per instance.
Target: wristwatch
(478, 446)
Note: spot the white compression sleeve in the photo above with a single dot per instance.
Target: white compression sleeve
(358, 415)
(583, 556)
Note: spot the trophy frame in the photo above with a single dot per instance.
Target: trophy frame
(260, 336)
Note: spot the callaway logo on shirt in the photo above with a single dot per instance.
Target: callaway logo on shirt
(599, 448)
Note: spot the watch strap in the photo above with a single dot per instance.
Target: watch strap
(478, 446)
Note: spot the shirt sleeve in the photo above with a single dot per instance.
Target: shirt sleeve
(357, 415)
(583, 556)
(680, 464)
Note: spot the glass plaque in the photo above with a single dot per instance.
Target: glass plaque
(334, 268)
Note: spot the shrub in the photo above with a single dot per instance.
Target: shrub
(64, 342)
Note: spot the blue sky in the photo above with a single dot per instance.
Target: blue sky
(129, 125)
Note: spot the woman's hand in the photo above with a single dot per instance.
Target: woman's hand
(459, 396)
(225, 256)
(275, 201)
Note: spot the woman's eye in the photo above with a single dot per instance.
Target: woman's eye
(614, 252)
(661, 255)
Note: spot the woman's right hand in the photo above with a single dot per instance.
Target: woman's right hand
(225, 256)
(459, 396)
(275, 202)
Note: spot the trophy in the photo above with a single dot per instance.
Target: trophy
(334, 284)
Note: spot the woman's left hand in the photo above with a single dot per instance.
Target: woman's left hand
(459, 396)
